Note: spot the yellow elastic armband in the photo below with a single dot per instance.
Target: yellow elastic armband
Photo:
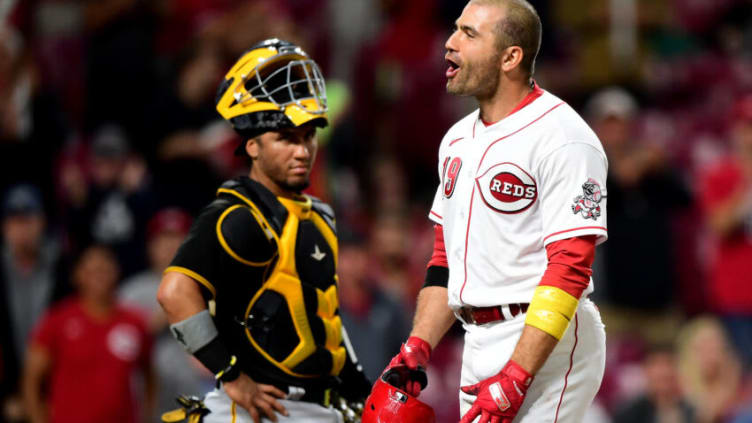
(551, 310)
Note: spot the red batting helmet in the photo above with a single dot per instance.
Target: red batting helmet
(388, 403)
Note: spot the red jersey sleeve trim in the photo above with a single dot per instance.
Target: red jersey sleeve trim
(570, 263)
(574, 229)
(439, 257)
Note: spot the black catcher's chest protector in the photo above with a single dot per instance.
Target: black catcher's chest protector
(292, 320)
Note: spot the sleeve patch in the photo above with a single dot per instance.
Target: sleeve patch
(588, 205)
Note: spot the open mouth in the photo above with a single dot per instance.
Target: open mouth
(452, 69)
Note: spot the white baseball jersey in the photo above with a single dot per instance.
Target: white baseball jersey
(509, 189)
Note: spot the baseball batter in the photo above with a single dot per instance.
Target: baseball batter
(252, 292)
(518, 213)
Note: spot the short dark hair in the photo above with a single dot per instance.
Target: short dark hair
(521, 27)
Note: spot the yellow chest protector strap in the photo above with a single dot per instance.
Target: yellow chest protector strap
(285, 281)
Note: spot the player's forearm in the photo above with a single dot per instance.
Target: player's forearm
(35, 405)
(180, 297)
(533, 349)
(555, 300)
(433, 317)
(34, 374)
(193, 326)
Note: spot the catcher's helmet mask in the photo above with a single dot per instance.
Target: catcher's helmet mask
(274, 85)
(289, 81)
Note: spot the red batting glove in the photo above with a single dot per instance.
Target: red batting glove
(499, 397)
(414, 353)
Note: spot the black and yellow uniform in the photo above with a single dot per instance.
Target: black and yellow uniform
(267, 267)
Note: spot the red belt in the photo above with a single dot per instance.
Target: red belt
(483, 315)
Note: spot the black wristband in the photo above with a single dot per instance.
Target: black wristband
(437, 276)
(214, 355)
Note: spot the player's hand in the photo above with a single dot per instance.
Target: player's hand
(256, 397)
(413, 354)
(499, 397)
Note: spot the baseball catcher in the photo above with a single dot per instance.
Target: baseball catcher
(252, 292)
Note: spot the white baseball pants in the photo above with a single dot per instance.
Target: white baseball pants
(566, 384)
(225, 410)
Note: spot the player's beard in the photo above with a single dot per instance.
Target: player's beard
(478, 79)
(297, 186)
(279, 176)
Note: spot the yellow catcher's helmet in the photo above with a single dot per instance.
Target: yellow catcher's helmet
(274, 85)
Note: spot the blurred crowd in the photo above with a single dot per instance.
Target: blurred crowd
(109, 144)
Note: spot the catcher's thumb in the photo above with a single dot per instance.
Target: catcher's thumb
(471, 389)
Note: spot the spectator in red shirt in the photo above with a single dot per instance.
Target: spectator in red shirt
(86, 350)
(727, 202)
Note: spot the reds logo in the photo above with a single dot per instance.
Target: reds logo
(507, 188)
(588, 204)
